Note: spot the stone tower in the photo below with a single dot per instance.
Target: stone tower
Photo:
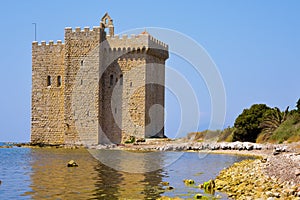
(97, 87)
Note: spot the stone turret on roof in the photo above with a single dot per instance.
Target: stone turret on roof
(145, 32)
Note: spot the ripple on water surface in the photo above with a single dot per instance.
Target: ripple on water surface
(42, 174)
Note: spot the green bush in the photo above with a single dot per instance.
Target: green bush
(247, 124)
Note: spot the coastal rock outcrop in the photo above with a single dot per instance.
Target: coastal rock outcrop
(198, 146)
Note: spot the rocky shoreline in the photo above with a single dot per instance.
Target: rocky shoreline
(251, 179)
(274, 174)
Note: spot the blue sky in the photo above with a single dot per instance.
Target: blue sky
(255, 45)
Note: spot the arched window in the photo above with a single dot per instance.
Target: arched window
(58, 81)
(81, 62)
(48, 80)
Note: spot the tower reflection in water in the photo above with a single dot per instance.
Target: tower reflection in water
(51, 179)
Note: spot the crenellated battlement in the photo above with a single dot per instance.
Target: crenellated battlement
(50, 43)
(154, 41)
(134, 39)
(86, 29)
(141, 43)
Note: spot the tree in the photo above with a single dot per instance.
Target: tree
(298, 105)
(273, 119)
(247, 124)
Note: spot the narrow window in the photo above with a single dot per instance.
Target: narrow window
(81, 63)
(58, 81)
(115, 110)
(130, 84)
(121, 79)
(116, 80)
(111, 81)
(81, 82)
(48, 80)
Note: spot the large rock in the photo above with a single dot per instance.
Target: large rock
(248, 146)
(224, 145)
(72, 163)
(257, 146)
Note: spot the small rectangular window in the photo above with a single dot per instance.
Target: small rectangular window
(111, 82)
(121, 79)
(48, 80)
(58, 81)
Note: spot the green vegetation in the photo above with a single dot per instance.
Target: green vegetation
(260, 124)
(267, 125)
(226, 135)
(288, 130)
(247, 124)
(130, 140)
(273, 119)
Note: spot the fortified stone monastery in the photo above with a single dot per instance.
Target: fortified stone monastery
(97, 87)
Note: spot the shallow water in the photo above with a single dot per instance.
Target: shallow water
(42, 173)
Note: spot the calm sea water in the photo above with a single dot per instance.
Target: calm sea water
(41, 173)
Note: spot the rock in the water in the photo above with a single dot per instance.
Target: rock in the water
(72, 163)
(169, 188)
(198, 196)
(165, 183)
(209, 185)
(189, 181)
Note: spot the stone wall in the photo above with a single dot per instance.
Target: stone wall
(155, 96)
(47, 93)
(81, 72)
(138, 59)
